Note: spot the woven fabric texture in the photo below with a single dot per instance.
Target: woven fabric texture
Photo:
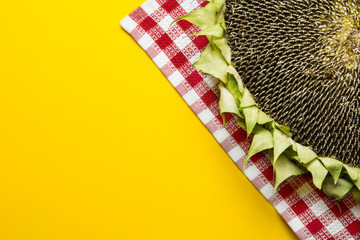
(309, 212)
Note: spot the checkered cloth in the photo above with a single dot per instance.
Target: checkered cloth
(310, 213)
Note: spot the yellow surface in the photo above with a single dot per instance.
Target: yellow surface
(96, 144)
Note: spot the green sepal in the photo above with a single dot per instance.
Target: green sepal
(227, 102)
(214, 64)
(333, 166)
(224, 48)
(230, 69)
(356, 193)
(206, 51)
(233, 87)
(318, 171)
(251, 116)
(247, 99)
(281, 143)
(204, 17)
(221, 18)
(354, 175)
(241, 123)
(263, 118)
(284, 129)
(262, 140)
(215, 30)
(357, 183)
(219, 4)
(338, 190)
(285, 168)
(305, 154)
(352, 172)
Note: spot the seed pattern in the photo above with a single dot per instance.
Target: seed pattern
(300, 60)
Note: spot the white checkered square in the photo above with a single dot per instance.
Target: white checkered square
(190, 97)
(221, 134)
(206, 116)
(146, 41)
(296, 224)
(176, 78)
(210, 81)
(194, 58)
(150, 6)
(165, 22)
(252, 172)
(189, 6)
(281, 207)
(319, 208)
(267, 191)
(128, 24)
(182, 41)
(161, 59)
(356, 211)
(335, 227)
(236, 154)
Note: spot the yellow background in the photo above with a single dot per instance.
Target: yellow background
(96, 144)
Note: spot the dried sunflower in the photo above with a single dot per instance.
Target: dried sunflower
(289, 71)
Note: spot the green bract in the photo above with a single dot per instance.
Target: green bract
(289, 158)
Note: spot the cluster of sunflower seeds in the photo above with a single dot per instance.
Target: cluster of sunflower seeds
(300, 60)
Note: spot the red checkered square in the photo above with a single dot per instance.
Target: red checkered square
(209, 98)
(179, 60)
(148, 23)
(164, 41)
(354, 228)
(299, 207)
(339, 209)
(201, 42)
(285, 190)
(315, 226)
(170, 5)
(204, 3)
(194, 78)
(269, 173)
(177, 12)
(257, 158)
(228, 117)
(185, 25)
(240, 135)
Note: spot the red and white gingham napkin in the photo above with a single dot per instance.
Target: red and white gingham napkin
(310, 213)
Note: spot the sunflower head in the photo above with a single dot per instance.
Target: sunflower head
(289, 71)
(300, 60)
